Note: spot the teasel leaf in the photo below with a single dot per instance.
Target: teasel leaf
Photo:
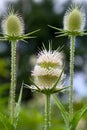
(62, 110)
(18, 108)
(77, 116)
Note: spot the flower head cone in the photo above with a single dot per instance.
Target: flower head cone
(47, 73)
(13, 28)
(74, 19)
(13, 25)
(74, 22)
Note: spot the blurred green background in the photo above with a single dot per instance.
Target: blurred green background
(38, 14)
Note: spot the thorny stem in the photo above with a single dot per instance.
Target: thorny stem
(47, 113)
(72, 50)
(13, 80)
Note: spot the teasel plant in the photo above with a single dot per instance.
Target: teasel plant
(13, 31)
(49, 78)
(74, 23)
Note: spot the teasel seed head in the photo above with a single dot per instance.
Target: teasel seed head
(74, 19)
(12, 25)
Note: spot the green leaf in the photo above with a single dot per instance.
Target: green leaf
(77, 116)
(5, 121)
(62, 110)
(18, 107)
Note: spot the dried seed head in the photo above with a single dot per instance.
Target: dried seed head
(74, 19)
(48, 69)
(13, 25)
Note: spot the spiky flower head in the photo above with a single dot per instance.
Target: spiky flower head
(13, 28)
(13, 25)
(74, 19)
(47, 73)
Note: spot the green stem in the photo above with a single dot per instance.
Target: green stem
(47, 113)
(13, 80)
(72, 50)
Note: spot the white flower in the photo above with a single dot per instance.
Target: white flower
(48, 70)
(50, 57)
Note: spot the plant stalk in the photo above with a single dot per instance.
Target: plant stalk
(72, 51)
(13, 80)
(47, 113)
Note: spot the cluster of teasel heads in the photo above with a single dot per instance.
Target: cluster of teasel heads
(48, 72)
(49, 64)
